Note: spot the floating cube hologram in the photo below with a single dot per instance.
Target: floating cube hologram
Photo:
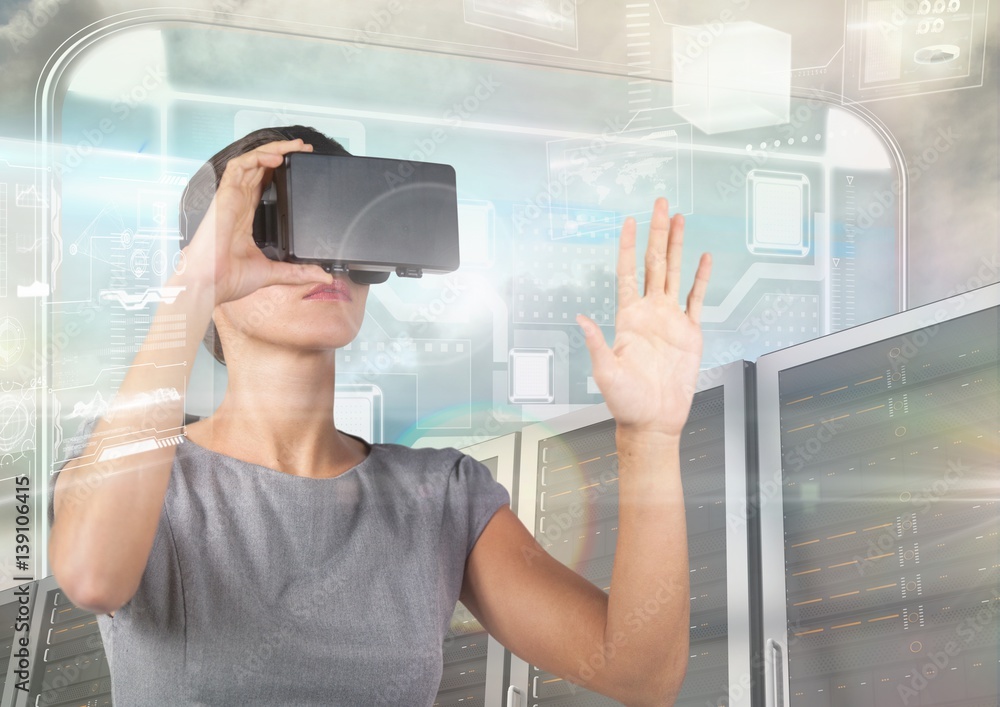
(731, 76)
(531, 376)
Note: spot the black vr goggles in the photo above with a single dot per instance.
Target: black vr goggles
(366, 216)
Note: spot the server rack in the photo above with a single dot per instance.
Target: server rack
(879, 511)
(476, 665)
(69, 666)
(575, 452)
(11, 602)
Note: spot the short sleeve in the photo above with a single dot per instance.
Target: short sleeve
(74, 448)
(473, 497)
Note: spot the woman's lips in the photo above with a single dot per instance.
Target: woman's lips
(335, 291)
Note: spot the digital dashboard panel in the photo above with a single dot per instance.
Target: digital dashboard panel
(899, 48)
(791, 212)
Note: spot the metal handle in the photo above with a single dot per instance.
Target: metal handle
(777, 673)
(511, 692)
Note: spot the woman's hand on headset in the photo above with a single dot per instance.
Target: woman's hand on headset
(225, 236)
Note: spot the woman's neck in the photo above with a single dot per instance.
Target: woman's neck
(281, 417)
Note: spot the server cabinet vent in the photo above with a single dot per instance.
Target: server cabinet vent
(70, 668)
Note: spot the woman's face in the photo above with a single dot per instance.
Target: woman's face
(294, 316)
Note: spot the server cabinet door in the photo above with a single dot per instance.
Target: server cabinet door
(879, 511)
(68, 663)
(569, 499)
(475, 665)
(16, 606)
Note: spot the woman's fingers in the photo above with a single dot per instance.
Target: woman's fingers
(240, 266)
(696, 297)
(663, 261)
(659, 234)
(628, 284)
(251, 167)
(675, 247)
(601, 357)
(250, 172)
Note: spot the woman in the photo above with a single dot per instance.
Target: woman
(272, 558)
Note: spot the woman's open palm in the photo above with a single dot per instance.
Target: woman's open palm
(648, 375)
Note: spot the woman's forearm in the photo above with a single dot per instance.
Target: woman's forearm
(107, 501)
(649, 600)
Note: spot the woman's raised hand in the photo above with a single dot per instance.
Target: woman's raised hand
(222, 251)
(648, 375)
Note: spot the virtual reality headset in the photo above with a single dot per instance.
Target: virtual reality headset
(366, 216)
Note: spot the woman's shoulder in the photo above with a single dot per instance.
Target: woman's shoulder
(410, 455)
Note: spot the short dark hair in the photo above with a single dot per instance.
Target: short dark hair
(201, 188)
